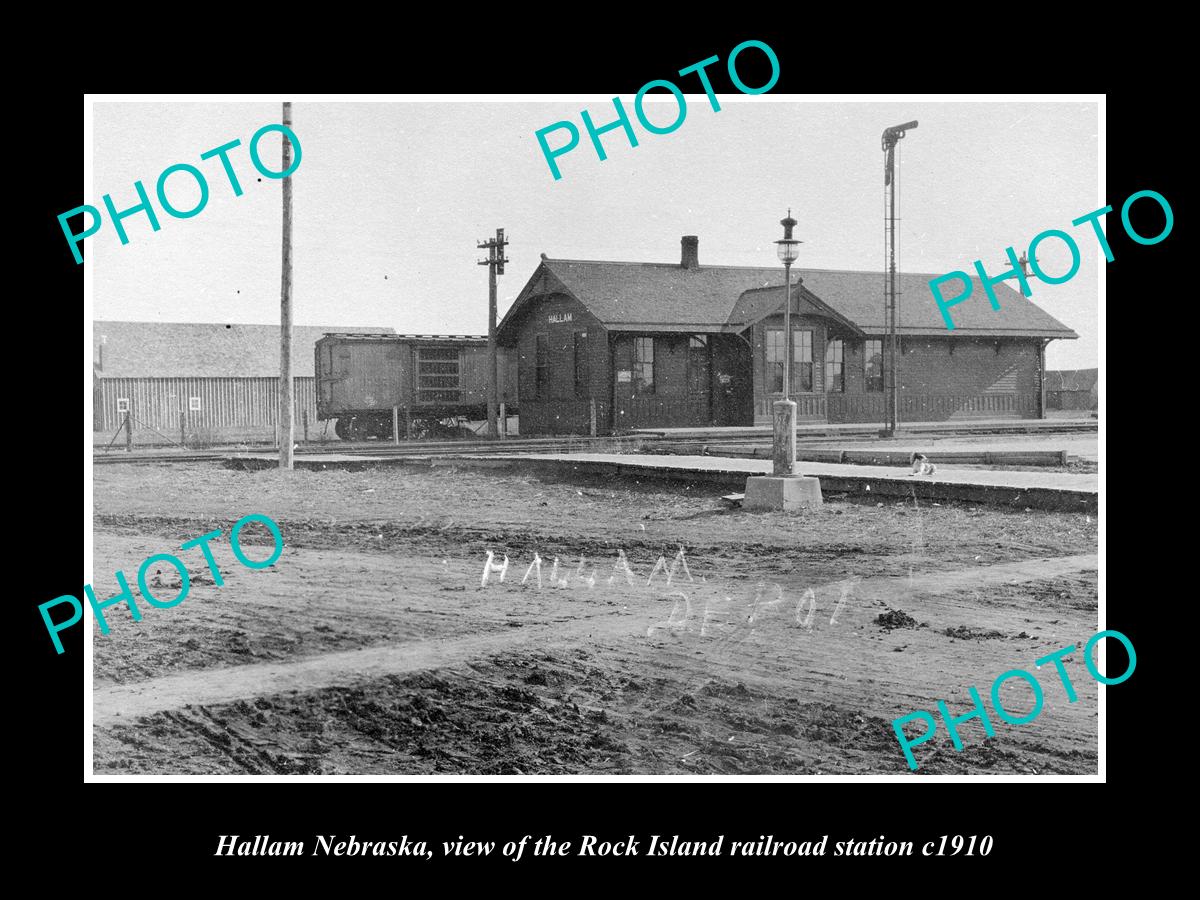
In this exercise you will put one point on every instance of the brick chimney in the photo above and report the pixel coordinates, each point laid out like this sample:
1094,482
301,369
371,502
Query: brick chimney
691,252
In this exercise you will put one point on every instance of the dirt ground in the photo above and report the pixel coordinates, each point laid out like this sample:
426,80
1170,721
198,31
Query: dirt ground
371,646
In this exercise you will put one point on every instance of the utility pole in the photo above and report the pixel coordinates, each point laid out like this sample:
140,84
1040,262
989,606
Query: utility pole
891,136
495,263
286,389
1023,262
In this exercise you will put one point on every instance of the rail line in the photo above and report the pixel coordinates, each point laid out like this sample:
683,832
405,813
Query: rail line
404,448
657,442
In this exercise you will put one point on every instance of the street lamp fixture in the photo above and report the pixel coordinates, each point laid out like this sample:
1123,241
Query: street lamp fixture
788,248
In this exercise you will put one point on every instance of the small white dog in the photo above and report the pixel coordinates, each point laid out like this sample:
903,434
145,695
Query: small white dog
921,465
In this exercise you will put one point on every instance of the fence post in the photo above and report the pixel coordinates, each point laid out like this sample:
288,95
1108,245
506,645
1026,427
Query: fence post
503,420
396,425
183,426
592,416
305,415
128,432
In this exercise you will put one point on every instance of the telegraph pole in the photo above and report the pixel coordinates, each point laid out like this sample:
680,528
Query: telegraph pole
286,389
495,263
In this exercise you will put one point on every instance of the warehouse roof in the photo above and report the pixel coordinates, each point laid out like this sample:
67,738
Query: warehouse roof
375,337
202,350
670,297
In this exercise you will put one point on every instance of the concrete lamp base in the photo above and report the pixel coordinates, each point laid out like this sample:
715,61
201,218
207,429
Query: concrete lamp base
782,492
783,489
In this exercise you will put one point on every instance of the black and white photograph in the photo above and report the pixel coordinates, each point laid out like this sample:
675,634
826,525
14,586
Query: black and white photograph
699,432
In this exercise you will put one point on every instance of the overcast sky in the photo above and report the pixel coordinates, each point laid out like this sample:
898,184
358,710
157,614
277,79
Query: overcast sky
391,198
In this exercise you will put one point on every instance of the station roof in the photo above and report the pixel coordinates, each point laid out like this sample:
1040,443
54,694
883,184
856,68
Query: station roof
632,296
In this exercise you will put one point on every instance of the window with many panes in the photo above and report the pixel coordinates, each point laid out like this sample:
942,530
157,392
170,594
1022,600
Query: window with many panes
581,364
643,365
775,360
437,375
697,368
873,365
541,367
835,371
802,360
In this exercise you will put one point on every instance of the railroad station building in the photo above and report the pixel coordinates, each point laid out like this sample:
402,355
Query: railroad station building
655,345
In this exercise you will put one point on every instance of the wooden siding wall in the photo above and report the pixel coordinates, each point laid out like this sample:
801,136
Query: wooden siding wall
474,362
670,405
366,375
358,376
720,393
225,403
980,379
932,408
558,409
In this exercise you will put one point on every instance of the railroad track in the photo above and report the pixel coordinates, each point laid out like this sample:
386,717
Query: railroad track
405,448
517,445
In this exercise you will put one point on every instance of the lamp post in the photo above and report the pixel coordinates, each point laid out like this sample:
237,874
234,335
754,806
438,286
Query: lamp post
783,452
783,489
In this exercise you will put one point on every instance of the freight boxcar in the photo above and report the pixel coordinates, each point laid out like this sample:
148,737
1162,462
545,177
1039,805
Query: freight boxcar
427,379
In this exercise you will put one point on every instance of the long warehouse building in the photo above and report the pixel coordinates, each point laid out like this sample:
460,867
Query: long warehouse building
211,382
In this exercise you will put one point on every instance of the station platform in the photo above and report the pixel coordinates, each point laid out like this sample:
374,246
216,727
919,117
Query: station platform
806,430
1055,449
1019,489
